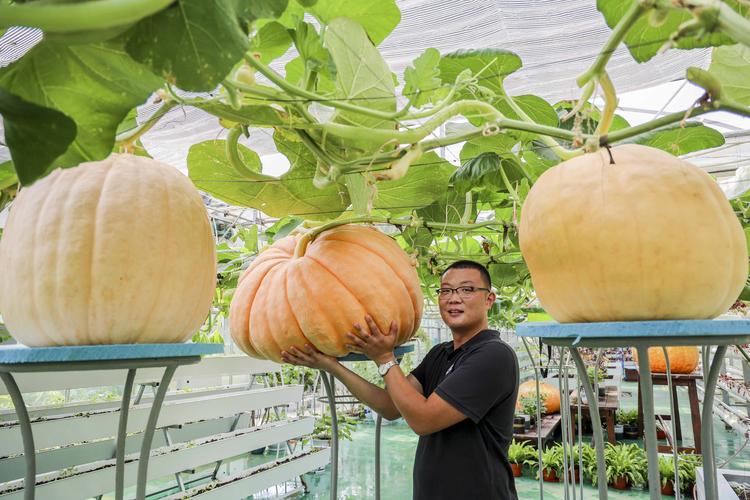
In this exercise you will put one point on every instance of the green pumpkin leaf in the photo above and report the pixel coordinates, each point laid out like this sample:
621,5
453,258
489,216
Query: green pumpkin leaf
646,36
417,238
271,41
731,65
295,74
503,274
35,135
678,140
484,170
282,227
539,110
363,76
94,85
448,208
250,10
425,181
500,144
422,79
494,65
256,116
193,43
290,194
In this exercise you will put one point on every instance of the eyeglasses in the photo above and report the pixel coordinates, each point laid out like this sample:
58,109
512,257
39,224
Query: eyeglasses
464,292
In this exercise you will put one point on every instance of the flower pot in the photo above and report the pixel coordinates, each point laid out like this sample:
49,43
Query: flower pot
660,434
550,475
631,431
620,483
575,476
602,392
668,489
519,428
517,469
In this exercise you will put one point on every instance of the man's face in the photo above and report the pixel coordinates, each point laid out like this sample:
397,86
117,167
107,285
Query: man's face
465,311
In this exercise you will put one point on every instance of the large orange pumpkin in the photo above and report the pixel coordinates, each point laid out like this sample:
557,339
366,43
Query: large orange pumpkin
109,252
551,404
646,237
681,359
315,297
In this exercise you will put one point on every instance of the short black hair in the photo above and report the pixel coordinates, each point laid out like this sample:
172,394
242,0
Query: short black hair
470,264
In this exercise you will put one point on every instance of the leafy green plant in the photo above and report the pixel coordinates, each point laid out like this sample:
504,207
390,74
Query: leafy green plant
686,466
521,452
666,469
626,460
596,375
552,459
324,427
529,404
627,417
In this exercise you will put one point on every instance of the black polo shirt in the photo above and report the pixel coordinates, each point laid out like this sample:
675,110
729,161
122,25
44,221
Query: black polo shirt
469,460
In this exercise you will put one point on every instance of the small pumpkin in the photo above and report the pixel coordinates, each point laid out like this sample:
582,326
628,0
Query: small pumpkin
641,236
552,393
682,359
115,251
298,292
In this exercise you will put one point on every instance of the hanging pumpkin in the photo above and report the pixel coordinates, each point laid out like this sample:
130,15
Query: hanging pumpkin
115,251
548,391
298,292
641,236
681,359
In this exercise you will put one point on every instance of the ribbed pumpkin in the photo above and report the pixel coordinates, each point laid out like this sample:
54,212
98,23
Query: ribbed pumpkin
109,252
647,237
681,359
551,404
283,300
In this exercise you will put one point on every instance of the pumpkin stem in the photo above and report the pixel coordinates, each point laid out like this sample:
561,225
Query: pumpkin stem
302,243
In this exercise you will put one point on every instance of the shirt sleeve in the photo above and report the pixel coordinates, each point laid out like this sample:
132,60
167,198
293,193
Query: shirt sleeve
482,378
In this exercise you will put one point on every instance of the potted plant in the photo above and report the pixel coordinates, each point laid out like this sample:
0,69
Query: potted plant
529,405
666,473
520,453
588,457
686,470
626,465
629,421
596,376
552,463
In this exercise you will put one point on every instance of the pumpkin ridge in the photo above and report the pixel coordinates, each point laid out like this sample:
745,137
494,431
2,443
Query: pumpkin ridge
387,263
59,240
289,306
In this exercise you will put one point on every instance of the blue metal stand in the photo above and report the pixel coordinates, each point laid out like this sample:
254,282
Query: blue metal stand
642,335
328,384
20,359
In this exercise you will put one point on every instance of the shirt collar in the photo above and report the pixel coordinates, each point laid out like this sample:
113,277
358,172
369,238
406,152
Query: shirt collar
479,337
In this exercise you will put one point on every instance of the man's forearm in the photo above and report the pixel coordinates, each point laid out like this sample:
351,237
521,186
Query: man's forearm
407,400
370,394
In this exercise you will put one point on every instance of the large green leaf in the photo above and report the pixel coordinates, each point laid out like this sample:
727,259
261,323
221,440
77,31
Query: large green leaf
95,85
539,110
425,182
731,65
377,17
34,134
250,10
193,43
484,170
449,207
500,144
422,84
362,76
8,175
256,116
290,194
271,41
646,37
494,64
681,140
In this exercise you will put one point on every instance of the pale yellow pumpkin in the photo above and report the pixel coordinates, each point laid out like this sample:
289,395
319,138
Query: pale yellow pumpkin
681,359
550,392
649,237
283,300
109,252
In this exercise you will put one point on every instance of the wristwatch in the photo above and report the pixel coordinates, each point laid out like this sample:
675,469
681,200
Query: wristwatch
383,369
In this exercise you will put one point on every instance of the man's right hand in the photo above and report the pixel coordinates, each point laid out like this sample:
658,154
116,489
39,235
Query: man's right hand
310,357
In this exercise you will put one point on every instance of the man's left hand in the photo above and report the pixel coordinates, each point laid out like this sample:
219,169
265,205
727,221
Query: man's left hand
373,343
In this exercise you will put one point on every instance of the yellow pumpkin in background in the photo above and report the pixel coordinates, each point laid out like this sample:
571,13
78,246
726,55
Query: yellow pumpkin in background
681,359
551,404
116,251
641,236
284,300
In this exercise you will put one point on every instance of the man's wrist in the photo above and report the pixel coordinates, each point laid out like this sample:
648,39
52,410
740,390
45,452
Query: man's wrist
381,360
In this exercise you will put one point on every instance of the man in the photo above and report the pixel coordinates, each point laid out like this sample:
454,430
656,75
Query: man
460,399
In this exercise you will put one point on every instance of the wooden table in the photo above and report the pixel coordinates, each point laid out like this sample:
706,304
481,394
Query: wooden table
550,423
684,380
608,406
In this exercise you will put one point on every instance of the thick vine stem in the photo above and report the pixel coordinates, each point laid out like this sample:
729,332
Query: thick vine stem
610,103
636,10
726,18
233,154
83,16
131,136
